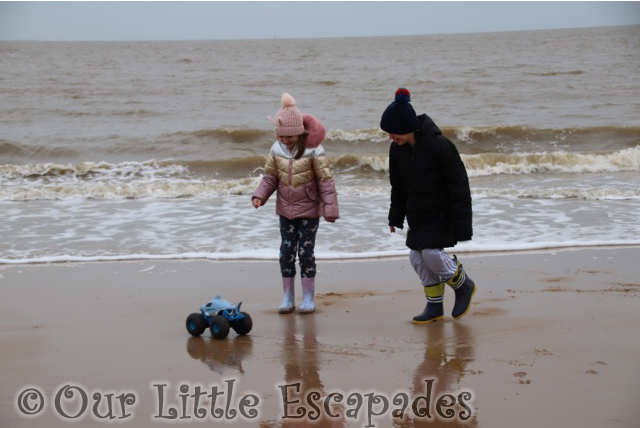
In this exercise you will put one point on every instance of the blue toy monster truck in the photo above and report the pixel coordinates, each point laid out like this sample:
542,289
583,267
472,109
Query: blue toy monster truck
219,315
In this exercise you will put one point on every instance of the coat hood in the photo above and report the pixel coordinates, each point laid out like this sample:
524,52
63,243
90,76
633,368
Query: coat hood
315,129
427,126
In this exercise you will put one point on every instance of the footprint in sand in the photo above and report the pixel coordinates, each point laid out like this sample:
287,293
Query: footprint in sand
559,279
597,363
521,378
331,298
489,312
554,289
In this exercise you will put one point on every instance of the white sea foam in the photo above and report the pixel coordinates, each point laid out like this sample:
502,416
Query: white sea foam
487,164
92,170
132,180
246,186
591,193
228,228
272,255
111,182
556,162
358,135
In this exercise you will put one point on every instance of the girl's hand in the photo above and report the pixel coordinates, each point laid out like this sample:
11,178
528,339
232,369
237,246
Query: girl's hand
256,203
392,229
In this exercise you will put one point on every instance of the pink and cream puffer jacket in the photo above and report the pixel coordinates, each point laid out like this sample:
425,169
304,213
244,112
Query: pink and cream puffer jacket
305,186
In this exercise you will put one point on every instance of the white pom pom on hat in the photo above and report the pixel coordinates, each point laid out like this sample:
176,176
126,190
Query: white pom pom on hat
286,100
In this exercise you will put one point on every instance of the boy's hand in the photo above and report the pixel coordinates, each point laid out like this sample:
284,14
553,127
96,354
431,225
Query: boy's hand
392,229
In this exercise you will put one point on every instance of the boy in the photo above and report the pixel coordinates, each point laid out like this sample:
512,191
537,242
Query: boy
429,186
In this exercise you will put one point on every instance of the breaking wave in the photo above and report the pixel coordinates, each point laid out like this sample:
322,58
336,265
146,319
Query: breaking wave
589,193
486,164
173,179
228,143
558,162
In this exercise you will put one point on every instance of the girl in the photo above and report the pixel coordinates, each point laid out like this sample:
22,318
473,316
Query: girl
297,168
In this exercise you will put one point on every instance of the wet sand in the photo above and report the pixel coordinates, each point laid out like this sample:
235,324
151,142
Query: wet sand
552,339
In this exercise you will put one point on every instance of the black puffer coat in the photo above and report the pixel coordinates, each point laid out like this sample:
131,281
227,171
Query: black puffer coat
429,186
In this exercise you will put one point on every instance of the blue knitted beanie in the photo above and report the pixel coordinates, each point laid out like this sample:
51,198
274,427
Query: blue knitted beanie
399,117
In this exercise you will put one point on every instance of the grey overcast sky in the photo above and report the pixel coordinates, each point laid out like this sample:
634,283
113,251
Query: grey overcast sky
97,21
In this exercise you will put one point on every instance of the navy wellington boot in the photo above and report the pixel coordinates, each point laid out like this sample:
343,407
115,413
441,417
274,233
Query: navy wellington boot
464,288
434,310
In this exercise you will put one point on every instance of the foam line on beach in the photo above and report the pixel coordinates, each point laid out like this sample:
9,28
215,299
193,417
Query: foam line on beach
271,255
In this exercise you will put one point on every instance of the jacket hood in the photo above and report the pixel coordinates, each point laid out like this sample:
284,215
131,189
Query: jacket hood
315,129
427,126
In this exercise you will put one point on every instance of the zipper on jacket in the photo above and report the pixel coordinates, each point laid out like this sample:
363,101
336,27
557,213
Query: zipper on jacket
413,166
290,186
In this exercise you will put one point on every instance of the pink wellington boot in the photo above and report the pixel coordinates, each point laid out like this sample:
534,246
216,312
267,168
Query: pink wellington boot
288,303
308,292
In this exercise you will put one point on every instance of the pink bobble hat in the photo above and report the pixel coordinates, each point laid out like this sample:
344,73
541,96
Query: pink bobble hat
289,121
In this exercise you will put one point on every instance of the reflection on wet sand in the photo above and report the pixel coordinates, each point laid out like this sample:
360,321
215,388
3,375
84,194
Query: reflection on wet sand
449,349
219,355
300,356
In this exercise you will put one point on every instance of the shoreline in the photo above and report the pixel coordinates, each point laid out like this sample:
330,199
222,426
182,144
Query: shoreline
334,259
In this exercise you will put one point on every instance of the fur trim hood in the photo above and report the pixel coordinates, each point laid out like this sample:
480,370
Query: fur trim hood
315,129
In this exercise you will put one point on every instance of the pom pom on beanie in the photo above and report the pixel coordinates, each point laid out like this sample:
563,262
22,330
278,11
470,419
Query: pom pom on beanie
288,120
403,95
286,100
399,117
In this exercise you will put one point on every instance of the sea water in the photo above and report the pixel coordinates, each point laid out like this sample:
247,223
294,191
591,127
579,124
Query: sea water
124,150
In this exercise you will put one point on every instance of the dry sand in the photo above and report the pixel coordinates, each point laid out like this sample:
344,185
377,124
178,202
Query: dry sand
552,340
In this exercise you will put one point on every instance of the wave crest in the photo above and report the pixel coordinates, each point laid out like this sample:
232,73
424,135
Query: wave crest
588,194
560,162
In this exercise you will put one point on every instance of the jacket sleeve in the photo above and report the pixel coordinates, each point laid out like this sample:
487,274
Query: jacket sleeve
458,190
398,207
326,188
269,182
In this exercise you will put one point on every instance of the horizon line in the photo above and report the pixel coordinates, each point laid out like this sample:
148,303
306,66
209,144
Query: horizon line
311,37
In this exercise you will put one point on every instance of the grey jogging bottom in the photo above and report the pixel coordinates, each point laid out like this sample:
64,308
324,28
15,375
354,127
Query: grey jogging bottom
433,265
